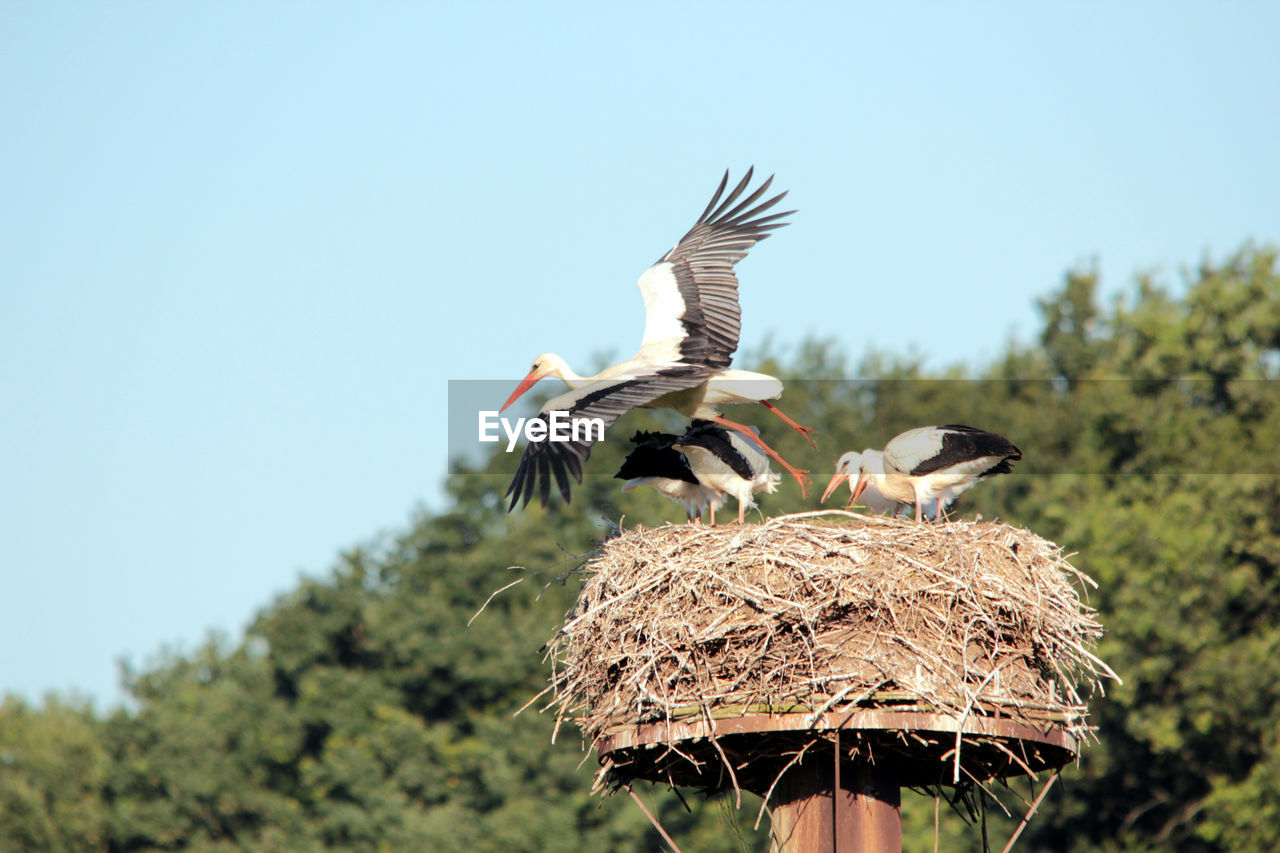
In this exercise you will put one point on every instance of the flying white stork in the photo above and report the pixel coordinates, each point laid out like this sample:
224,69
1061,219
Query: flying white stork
655,462
692,324
936,463
730,462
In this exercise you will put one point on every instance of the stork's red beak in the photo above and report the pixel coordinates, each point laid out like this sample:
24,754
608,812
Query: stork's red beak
838,478
862,484
525,385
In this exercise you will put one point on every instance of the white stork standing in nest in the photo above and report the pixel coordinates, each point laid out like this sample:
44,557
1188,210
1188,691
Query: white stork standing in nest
934,464
656,463
729,462
692,325
700,469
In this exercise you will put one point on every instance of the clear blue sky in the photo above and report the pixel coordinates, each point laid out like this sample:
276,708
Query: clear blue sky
243,246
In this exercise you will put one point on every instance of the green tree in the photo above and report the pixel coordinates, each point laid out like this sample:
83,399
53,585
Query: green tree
52,769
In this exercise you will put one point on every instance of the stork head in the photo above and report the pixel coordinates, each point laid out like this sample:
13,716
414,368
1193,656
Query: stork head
846,465
547,364
870,466
863,478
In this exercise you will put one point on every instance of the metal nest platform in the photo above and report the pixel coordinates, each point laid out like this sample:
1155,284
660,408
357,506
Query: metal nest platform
720,658
917,748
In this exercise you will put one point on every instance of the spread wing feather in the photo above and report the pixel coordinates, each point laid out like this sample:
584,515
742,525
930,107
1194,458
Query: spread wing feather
691,293
608,400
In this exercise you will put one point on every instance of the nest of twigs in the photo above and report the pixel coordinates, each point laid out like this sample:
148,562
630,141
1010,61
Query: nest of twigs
815,613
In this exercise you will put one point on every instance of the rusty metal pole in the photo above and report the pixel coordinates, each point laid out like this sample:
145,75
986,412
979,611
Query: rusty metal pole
862,817
873,811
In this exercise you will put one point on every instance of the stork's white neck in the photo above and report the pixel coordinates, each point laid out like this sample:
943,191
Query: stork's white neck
556,366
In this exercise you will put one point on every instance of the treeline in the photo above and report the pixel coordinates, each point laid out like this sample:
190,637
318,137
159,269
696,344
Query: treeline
360,712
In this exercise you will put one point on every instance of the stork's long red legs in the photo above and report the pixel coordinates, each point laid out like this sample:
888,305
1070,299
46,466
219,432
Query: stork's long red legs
773,454
800,428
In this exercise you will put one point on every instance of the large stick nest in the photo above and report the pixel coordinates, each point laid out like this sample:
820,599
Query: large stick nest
825,610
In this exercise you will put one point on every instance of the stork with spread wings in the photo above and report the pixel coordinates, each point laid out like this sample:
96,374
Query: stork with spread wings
692,324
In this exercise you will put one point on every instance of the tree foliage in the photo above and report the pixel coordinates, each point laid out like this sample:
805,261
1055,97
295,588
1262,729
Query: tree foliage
361,712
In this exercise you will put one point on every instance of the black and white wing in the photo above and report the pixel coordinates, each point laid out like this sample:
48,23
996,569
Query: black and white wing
719,442
925,450
605,400
691,293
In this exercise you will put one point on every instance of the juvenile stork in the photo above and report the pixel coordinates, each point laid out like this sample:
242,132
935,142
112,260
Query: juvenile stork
872,495
655,462
935,464
692,325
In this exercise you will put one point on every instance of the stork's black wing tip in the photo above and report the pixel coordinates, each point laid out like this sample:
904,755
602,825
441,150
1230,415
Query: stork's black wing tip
542,463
